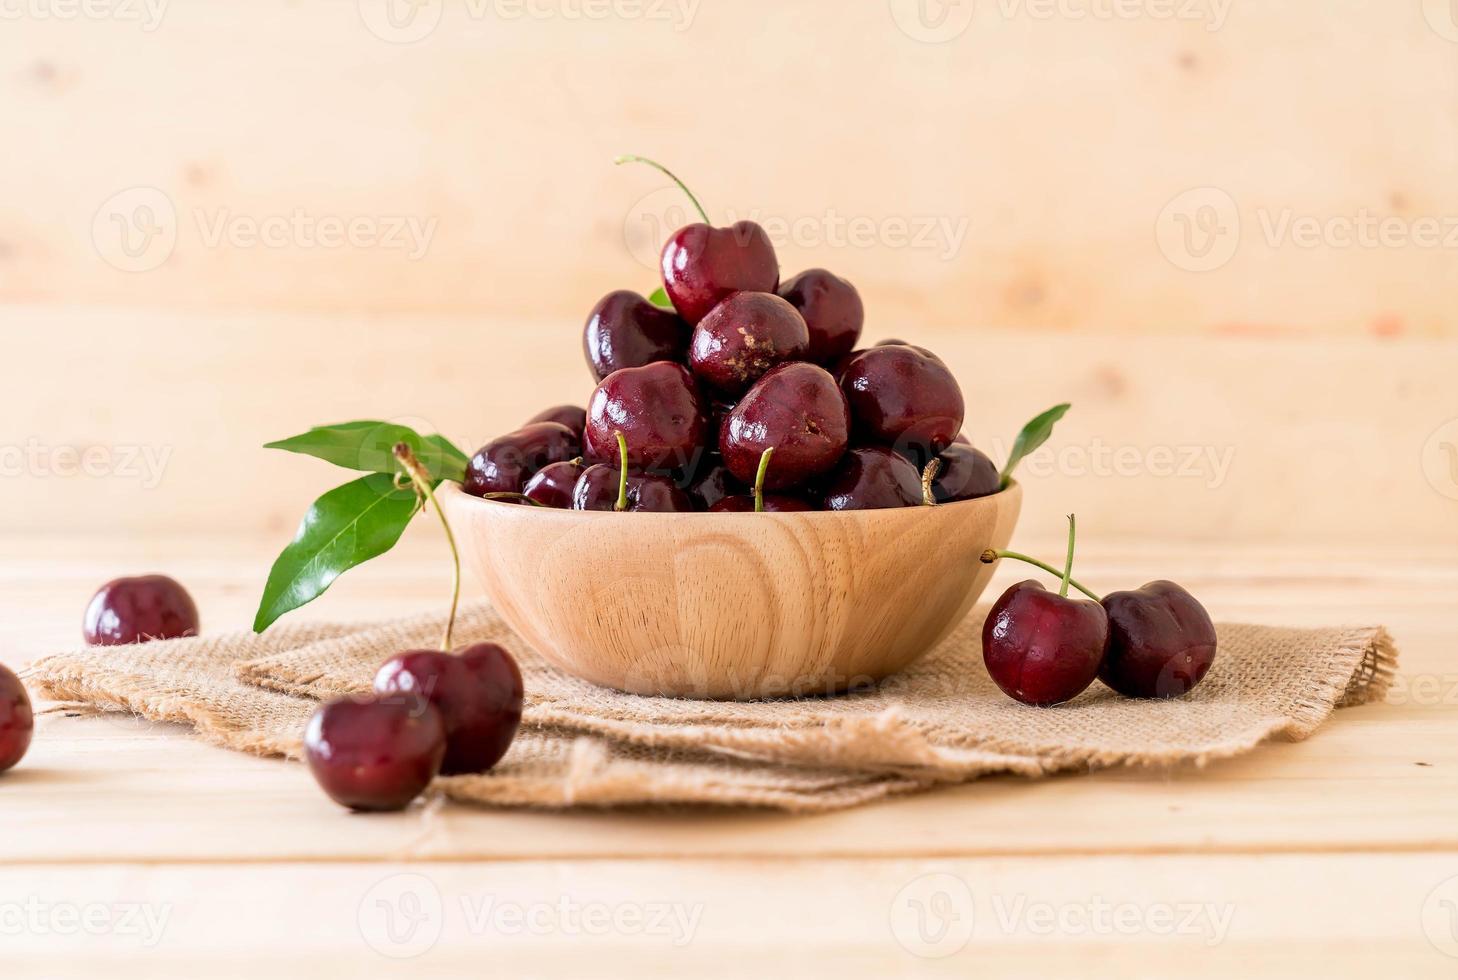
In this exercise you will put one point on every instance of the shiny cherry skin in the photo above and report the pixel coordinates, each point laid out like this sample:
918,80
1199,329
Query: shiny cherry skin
1042,648
964,473
798,411
712,482
905,397
702,265
375,754
17,721
597,489
477,692
658,409
135,610
832,310
743,337
505,463
774,503
569,415
552,484
1161,641
624,330
871,478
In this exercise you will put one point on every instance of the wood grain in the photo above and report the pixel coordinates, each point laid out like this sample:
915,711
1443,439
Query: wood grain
734,606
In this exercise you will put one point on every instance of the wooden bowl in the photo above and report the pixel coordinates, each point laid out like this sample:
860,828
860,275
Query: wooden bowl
731,605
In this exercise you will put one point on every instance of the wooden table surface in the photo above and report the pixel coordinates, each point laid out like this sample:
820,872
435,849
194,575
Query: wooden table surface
130,848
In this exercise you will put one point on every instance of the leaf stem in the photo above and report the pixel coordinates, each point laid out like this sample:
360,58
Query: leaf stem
991,555
630,158
928,497
622,503
764,459
426,490
1067,565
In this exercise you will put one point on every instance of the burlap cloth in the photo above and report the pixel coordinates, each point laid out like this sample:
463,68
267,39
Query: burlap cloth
942,720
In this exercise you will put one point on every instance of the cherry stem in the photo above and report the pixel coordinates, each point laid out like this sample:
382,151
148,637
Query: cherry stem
1067,565
512,495
928,498
764,459
425,489
991,555
622,503
630,158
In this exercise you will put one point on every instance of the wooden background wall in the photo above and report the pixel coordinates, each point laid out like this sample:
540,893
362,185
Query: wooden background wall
1227,231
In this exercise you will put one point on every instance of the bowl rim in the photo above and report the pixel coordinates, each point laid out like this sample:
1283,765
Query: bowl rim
455,491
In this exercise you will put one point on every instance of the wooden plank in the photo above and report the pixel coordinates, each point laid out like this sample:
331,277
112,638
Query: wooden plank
1199,916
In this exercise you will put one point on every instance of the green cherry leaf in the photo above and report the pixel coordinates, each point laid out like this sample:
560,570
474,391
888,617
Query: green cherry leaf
659,298
1034,434
347,526
366,445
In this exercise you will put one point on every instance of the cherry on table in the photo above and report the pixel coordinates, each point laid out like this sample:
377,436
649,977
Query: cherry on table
505,463
798,411
375,754
572,416
1161,641
17,721
903,396
656,407
477,691
139,609
832,310
743,337
871,478
624,330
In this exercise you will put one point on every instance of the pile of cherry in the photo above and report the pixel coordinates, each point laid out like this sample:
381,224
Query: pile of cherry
747,384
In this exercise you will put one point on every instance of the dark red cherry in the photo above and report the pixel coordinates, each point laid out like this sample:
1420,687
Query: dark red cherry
703,265
477,691
552,484
743,337
505,463
658,410
17,721
832,311
903,396
569,415
1161,641
135,610
1042,648
375,753
743,503
712,482
964,473
871,478
624,330
597,489
798,411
